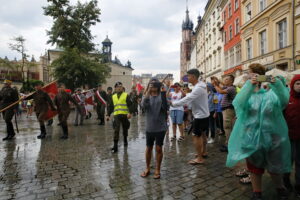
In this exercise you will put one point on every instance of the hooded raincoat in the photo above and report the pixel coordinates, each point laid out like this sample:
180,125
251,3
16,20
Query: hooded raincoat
260,133
292,112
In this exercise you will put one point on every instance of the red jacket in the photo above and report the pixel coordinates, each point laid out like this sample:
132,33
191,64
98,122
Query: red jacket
292,112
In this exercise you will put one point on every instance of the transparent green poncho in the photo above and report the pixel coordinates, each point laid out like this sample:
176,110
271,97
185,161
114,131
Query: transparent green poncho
260,133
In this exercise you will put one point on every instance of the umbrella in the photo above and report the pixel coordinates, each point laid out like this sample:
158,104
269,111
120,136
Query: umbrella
296,72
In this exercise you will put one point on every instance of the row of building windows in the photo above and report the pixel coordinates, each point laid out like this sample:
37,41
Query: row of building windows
233,57
228,36
281,42
236,6
248,9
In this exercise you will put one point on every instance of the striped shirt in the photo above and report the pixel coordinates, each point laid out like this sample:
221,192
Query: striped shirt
228,98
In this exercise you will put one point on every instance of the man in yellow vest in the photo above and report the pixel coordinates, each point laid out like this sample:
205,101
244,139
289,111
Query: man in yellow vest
121,109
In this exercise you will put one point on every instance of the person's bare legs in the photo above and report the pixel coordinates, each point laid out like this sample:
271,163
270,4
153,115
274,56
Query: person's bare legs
180,126
174,127
148,155
198,143
159,157
256,182
204,152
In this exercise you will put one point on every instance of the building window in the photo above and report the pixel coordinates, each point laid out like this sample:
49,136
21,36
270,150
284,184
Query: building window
263,42
231,60
282,33
237,26
219,57
215,60
238,54
224,15
215,36
225,37
236,4
249,48
226,59
262,5
229,10
230,32
248,12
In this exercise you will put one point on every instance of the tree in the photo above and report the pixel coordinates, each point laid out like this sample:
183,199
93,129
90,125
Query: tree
75,70
76,66
19,46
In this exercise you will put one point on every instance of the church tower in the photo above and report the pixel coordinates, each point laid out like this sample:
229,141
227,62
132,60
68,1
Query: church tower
186,43
106,49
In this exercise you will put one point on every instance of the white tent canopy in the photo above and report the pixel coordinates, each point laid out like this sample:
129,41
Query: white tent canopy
277,72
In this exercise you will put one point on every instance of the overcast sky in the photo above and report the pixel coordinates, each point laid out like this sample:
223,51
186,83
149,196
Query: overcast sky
147,32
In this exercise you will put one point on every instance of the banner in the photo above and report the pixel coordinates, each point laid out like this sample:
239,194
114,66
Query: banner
100,98
139,87
89,103
52,91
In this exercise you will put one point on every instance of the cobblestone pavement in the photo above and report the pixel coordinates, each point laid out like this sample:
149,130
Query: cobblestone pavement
83,167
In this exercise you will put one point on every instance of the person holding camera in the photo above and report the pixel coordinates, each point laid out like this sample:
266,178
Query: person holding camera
155,105
177,113
260,134
229,92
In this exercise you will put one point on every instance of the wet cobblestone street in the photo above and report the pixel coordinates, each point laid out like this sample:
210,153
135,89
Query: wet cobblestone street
83,167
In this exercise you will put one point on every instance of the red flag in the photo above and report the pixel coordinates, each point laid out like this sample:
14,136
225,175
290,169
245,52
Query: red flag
51,90
139,87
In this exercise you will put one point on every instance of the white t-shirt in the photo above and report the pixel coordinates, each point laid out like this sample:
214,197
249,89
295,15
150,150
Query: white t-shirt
175,97
198,101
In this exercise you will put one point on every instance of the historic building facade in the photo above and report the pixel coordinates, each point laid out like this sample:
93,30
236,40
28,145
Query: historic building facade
231,21
186,43
267,33
119,71
297,34
214,46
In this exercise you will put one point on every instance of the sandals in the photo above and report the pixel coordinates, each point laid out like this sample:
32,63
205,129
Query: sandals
173,138
203,155
242,173
156,176
145,174
195,162
246,180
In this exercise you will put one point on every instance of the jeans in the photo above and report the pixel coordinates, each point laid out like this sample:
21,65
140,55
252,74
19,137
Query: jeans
212,125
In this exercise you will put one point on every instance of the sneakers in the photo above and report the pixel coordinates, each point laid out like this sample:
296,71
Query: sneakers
211,141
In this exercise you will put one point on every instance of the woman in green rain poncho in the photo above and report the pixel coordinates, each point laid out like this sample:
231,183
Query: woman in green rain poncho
260,134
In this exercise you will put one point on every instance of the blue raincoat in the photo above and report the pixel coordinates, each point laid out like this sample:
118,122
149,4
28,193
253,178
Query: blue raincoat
260,133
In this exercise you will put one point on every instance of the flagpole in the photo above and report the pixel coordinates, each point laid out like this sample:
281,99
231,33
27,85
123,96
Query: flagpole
22,98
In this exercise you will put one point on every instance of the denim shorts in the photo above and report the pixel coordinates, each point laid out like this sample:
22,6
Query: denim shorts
177,116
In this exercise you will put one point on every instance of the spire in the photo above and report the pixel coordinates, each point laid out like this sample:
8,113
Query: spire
187,24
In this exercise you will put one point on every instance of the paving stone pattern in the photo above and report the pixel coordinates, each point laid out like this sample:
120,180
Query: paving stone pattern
83,167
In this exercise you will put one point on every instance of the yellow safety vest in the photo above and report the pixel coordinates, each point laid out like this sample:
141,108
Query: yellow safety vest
120,104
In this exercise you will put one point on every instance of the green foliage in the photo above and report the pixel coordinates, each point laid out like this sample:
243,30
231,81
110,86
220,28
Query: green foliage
28,86
76,66
75,69
71,28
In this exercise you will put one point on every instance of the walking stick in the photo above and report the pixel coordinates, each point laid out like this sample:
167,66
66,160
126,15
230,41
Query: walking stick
16,122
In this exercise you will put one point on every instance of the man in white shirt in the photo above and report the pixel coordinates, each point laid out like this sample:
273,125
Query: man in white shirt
199,104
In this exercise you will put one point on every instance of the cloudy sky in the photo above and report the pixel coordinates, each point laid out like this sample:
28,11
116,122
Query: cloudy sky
147,32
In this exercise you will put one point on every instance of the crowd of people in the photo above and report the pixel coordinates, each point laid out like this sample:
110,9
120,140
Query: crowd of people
259,120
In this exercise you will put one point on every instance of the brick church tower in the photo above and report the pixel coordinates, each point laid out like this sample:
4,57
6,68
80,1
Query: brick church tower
185,46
